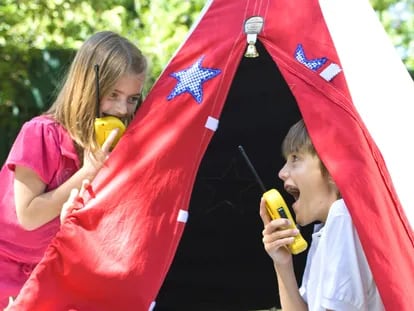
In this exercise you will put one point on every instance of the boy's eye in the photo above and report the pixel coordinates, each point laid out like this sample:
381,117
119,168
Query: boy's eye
294,157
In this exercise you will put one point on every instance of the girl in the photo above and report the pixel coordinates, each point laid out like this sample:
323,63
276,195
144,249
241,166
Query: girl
54,152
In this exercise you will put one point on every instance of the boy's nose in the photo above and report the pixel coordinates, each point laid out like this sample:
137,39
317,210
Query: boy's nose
283,173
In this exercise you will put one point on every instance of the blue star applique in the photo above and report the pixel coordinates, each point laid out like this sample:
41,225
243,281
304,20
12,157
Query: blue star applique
312,64
191,80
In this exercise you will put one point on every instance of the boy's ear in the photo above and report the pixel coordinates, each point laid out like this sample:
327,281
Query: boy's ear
331,183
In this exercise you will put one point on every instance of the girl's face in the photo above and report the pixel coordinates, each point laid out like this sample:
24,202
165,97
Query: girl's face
123,99
313,191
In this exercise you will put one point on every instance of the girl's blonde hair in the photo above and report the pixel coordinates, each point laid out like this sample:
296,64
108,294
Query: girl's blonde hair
75,106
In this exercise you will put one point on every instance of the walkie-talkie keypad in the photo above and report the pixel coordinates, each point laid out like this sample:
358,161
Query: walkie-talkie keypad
281,212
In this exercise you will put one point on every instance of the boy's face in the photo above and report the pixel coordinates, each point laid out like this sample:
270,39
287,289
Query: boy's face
313,191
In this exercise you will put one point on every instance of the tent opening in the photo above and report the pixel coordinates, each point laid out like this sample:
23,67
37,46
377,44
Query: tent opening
220,263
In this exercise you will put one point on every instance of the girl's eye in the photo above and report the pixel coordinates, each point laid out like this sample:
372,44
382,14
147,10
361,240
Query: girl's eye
113,95
134,99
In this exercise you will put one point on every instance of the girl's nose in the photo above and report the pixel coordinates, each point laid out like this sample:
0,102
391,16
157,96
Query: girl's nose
121,108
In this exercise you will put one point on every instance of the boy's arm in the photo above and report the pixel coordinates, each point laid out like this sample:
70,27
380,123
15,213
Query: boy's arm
275,239
289,295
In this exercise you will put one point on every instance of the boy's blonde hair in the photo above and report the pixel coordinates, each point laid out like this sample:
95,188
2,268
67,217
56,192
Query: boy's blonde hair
298,140
75,106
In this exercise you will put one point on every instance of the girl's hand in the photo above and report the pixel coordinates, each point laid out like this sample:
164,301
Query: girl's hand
276,236
10,304
75,201
92,163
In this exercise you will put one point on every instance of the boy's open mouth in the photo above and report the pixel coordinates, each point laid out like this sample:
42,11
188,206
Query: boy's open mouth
293,191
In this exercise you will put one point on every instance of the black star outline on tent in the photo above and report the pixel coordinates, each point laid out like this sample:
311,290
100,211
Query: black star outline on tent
228,191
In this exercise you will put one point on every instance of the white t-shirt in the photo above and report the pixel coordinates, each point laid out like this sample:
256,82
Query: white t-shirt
337,275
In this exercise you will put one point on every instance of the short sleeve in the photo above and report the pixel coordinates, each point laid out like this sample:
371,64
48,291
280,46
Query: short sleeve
36,147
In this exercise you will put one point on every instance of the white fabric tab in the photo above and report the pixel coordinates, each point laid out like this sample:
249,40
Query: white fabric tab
212,123
182,216
330,72
152,306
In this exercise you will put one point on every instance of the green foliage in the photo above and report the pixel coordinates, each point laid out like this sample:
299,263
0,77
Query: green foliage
38,39
398,20
157,27
29,89
164,28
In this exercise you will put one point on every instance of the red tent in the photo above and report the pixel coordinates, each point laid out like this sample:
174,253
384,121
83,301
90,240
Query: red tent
115,253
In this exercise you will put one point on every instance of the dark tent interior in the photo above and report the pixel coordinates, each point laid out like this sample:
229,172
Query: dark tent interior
220,262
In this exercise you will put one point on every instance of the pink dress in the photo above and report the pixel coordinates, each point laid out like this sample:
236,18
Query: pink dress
45,147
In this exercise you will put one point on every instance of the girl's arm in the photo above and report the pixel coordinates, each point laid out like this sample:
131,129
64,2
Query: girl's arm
34,206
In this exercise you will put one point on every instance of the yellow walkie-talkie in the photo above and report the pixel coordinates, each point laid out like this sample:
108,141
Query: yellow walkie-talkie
105,125
277,208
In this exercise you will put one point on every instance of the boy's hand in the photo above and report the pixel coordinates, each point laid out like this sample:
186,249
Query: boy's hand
276,237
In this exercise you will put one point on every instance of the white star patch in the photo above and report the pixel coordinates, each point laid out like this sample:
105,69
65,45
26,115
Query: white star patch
191,80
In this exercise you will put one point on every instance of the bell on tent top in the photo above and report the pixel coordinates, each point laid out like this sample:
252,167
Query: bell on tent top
251,51
252,27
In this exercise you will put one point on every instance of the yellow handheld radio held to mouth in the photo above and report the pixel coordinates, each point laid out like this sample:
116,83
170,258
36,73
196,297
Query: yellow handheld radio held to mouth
277,208
105,125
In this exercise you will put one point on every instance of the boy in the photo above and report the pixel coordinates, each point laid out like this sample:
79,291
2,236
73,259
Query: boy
337,275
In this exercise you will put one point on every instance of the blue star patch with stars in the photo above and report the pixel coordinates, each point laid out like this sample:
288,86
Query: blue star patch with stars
312,64
191,80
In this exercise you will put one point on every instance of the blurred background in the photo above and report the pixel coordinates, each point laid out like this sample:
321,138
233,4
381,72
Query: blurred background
38,39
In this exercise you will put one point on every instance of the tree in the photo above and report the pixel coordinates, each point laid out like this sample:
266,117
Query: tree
38,39
398,20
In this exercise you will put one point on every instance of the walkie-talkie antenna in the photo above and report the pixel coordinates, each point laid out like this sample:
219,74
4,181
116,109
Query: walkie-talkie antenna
276,208
249,163
97,89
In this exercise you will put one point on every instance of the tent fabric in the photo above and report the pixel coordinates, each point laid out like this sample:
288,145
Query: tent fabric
220,263
114,254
